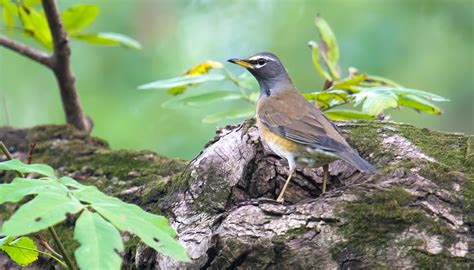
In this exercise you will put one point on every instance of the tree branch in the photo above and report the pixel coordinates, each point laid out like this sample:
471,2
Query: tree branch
62,69
30,52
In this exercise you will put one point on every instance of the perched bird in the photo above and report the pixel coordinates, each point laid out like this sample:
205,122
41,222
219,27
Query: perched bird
291,126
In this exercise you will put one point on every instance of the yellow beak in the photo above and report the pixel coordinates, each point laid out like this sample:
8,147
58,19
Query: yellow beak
240,62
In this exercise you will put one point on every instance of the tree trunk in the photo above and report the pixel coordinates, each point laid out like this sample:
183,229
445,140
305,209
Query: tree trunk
417,213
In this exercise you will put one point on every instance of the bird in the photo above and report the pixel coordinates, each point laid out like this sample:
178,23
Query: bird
291,126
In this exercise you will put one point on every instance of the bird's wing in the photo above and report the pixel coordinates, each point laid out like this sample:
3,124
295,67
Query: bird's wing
302,122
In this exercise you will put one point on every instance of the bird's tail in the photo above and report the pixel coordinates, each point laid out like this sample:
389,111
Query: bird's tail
355,160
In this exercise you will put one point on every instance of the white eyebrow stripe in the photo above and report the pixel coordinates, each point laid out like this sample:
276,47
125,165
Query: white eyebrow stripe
256,57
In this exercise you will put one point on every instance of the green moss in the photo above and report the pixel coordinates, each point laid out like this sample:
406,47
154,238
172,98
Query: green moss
289,235
363,135
424,260
374,221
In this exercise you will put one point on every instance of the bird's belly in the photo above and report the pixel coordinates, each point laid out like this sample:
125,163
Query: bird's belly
295,152
315,158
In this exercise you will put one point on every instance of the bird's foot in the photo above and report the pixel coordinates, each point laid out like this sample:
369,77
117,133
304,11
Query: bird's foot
280,199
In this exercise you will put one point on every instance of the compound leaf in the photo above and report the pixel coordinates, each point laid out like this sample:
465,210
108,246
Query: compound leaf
17,165
100,243
78,17
45,210
107,39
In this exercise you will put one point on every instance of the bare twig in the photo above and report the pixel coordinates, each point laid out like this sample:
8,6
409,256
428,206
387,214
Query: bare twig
30,152
30,52
62,68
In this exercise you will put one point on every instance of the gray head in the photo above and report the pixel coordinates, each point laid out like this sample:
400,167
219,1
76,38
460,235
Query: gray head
268,70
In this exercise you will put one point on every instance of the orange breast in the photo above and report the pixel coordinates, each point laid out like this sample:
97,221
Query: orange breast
275,139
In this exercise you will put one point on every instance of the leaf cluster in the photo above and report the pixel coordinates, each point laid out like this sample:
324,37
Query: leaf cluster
100,220
373,95
24,15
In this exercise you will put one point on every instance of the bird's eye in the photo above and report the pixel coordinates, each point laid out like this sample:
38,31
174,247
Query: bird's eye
261,62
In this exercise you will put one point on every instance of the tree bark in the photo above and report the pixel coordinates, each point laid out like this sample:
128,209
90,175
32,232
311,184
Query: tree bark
417,213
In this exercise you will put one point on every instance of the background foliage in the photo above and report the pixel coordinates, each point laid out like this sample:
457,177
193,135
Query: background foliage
422,44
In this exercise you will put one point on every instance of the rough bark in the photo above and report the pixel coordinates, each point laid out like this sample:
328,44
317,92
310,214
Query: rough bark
416,213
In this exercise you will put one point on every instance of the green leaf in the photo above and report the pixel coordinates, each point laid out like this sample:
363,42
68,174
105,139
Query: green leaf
381,81
327,98
347,115
36,25
153,230
78,17
347,83
107,39
45,210
9,12
185,80
420,93
100,243
16,165
199,100
21,187
329,49
232,114
68,181
418,103
23,250
317,65
375,100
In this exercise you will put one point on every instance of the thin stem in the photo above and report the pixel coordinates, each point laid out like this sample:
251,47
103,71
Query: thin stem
25,50
41,252
63,251
9,156
242,89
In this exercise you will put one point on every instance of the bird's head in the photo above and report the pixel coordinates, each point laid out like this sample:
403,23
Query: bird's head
267,69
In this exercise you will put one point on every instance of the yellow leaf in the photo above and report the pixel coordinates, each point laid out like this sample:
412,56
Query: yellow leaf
203,68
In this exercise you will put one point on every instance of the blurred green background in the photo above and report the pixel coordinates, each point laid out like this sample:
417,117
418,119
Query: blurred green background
425,45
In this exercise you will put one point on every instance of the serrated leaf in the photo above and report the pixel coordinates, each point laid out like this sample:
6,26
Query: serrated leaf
107,39
35,25
21,187
327,98
347,83
17,165
21,250
418,103
329,49
153,230
182,81
78,17
347,115
99,242
232,114
375,101
381,81
45,210
316,61
199,100
420,93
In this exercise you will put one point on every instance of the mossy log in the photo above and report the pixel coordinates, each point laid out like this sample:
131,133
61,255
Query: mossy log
418,212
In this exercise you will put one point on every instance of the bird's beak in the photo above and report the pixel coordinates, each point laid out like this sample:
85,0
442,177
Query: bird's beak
240,62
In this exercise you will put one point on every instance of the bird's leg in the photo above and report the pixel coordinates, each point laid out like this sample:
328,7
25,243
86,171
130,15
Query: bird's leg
325,176
280,198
